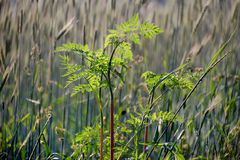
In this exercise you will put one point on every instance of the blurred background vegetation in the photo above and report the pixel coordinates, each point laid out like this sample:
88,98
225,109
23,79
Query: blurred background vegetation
31,86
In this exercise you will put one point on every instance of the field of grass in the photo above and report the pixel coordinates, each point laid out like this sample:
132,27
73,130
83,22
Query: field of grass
186,107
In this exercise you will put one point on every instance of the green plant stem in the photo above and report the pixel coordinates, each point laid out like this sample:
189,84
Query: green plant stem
147,120
99,100
185,100
136,146
199,132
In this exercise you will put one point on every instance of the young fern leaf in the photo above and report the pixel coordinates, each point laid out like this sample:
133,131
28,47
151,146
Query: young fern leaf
148,74
178,81
90,73
125,51
173,80
150,78
149,30
113,38
99,63
134,37
75,77
129,26
73,47
64,59
72,68
69,67
80,88
93,83
131,31
75,72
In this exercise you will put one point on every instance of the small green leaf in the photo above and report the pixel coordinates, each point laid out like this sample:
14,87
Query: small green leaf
81,88
149,30
112,38
125,51
73,47
148,74
129,26
166,79
134,37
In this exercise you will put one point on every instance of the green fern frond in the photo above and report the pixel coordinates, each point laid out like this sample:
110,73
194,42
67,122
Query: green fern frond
73,47
93,83
100,63
72,68
130,31
148,74
178,81
64,59
125,51
112,38
185,83
117,62
174,80
150,78
149,30
80,88
75,77
134,37
129,26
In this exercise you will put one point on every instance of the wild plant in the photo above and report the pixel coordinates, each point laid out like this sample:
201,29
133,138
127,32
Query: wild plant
101,69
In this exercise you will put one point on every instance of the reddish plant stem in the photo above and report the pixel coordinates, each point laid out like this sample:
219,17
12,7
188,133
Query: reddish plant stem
112,103
112,130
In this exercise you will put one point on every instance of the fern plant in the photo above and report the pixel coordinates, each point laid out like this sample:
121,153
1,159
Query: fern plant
101,68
